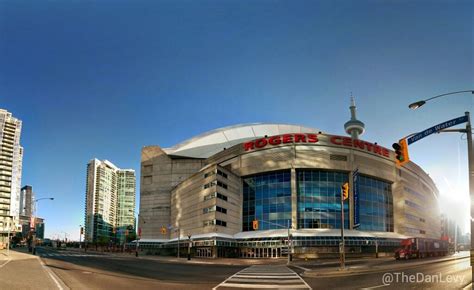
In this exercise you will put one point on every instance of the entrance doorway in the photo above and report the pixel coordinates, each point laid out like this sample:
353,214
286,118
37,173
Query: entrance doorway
260,252
204,252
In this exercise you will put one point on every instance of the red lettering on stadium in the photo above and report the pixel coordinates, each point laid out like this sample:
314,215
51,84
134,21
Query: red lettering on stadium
313,138
359,144
280,139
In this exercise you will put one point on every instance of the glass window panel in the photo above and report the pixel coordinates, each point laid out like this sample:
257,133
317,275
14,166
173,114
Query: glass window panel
269,199
321,207
375,198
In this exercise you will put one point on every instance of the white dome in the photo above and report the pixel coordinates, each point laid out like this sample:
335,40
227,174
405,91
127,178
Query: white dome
209,143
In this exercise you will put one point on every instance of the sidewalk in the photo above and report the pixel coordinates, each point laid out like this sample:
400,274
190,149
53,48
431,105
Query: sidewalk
311,267
333,270
194,260
21,270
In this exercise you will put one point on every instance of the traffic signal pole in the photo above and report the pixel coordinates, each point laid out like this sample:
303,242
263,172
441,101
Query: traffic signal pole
470,157
342,246
471,183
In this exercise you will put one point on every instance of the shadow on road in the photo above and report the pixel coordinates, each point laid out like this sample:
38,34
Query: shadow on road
137,268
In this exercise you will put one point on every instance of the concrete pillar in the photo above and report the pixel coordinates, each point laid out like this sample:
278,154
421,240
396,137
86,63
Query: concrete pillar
294,199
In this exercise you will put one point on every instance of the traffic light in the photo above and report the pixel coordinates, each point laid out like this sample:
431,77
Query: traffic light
401,152
255,225
82,230
163,230
345,191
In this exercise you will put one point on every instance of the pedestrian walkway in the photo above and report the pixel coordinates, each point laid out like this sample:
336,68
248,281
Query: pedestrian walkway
66,254
264,276
25,271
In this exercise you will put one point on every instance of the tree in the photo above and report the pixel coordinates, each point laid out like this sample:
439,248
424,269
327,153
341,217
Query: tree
132,236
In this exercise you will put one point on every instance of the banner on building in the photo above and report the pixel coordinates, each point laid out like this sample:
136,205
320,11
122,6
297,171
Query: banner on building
355,189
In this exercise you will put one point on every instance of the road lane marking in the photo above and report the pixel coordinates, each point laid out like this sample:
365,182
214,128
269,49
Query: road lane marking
53,276
265,277
302,268
8,261
264,286
67,255
375,287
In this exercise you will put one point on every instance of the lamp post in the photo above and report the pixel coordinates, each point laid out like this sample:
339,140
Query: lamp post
189,247
8,240
80,236
468,132
34,220
139,233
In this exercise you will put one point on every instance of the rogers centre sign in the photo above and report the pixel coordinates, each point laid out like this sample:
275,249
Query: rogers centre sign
313,138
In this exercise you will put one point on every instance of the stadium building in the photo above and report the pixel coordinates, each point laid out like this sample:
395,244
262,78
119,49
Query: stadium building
211,188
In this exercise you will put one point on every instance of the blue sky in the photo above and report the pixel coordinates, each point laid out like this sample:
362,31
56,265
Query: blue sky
104,78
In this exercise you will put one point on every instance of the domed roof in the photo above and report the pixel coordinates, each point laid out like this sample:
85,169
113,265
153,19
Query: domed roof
209,143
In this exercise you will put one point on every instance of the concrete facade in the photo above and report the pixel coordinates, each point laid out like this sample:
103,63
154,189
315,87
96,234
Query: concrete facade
180,191
160,173
204,199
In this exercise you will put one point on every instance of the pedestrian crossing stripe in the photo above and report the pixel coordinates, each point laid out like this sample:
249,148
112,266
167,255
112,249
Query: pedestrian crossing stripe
68,255
265,277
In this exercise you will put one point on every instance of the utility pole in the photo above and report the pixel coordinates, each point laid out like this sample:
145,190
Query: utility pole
470,157
376,248
179,234
80,237
8,245
189,247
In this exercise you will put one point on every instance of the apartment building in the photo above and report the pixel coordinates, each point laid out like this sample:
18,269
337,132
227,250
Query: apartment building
110,201
11,156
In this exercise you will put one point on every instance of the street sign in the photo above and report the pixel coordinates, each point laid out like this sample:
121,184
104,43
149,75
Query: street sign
437,128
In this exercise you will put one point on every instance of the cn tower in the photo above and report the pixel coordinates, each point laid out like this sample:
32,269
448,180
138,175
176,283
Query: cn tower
354,127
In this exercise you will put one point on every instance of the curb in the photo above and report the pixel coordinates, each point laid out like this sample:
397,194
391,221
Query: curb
184,261
58,281
339,273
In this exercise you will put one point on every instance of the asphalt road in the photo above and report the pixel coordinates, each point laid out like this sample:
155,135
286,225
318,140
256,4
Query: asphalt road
95,271
454,274
108,272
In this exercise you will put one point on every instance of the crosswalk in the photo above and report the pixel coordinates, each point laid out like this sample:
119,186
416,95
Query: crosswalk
264,276
59,254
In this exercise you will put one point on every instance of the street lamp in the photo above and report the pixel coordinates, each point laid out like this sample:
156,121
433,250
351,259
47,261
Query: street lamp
80,236
138,234
420,103
470,154
34,220
189,246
